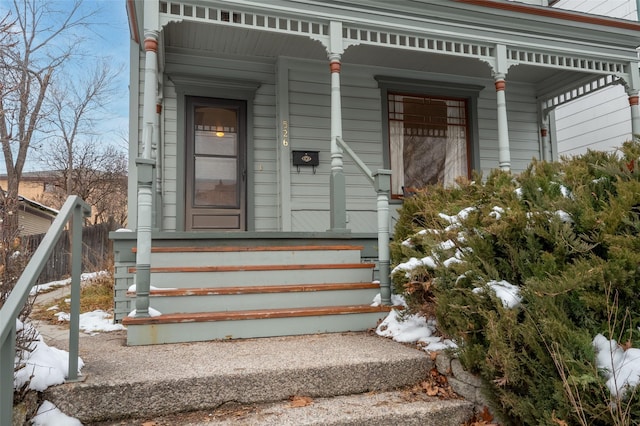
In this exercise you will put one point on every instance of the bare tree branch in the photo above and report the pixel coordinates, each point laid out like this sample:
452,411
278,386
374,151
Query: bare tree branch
37,41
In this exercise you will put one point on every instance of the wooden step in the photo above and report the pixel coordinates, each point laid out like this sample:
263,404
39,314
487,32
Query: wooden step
255,314
257,255
260,297
204,326
260,276
222,292
291,288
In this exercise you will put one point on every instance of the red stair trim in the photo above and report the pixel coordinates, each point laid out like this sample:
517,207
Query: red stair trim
255,314
259,289
247,249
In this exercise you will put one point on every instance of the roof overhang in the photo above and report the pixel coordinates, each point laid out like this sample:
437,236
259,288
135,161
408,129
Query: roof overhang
134,10
543,44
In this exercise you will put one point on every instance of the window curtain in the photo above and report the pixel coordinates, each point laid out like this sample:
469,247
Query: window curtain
456,148
396,140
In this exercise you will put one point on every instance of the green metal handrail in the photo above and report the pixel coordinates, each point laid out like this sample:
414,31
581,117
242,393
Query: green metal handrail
381,181
74,210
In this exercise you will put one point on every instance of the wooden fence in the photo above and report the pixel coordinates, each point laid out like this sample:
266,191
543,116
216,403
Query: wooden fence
97,252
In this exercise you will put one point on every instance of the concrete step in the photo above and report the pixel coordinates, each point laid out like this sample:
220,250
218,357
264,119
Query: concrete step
243,324
258,297
400,407
145,382
258,255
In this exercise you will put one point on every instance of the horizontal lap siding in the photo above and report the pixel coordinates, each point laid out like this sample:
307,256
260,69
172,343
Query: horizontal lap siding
522,118
310,129
264,161
169,153
602,120
599,121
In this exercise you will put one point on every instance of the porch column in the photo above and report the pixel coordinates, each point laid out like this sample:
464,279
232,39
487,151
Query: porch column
145,165
632,86
634,104
338,197
504,155
547,155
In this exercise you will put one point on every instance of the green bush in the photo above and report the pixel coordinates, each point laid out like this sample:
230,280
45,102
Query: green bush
567,235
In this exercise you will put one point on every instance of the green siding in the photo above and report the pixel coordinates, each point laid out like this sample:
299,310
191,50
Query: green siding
308,114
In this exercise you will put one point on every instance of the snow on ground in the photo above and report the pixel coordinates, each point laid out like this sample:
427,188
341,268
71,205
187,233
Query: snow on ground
56,284
93,322
49,415
43,365
46,366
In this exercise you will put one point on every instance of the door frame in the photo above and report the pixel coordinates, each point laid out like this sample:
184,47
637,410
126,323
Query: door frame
240,210
221,88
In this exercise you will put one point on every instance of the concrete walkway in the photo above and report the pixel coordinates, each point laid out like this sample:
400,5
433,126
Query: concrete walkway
345,378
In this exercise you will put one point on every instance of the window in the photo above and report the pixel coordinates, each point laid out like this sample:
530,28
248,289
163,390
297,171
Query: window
428,141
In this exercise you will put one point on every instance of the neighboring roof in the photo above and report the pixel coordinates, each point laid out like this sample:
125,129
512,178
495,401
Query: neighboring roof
36,176
38,206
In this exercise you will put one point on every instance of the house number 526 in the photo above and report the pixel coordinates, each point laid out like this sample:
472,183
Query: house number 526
285,133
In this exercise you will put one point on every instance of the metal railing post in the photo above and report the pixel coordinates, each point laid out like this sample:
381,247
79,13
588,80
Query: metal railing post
382,185
76,271
7,355
20,293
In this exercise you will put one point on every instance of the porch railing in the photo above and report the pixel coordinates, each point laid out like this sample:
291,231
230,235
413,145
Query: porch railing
74,210
381,181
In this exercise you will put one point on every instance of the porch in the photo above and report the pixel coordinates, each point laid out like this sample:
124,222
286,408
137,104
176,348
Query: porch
226,93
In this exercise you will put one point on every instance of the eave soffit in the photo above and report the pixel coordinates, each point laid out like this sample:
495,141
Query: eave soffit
452,18
454,27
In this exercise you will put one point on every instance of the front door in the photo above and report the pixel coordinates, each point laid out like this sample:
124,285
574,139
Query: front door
216,164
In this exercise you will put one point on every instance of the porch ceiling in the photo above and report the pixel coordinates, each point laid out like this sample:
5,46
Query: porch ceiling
215,39
211,40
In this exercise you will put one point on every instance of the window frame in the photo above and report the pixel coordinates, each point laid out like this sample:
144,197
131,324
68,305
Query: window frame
435,89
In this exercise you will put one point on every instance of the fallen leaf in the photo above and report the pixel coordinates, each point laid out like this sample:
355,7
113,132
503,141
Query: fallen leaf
300,401
432,391
149,424
486,415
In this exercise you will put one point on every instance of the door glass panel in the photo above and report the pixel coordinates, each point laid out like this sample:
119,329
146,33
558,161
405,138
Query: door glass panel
216,118
216,157
216,182
207,143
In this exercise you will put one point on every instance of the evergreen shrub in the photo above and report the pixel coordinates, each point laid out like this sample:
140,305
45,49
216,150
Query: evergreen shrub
567,234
